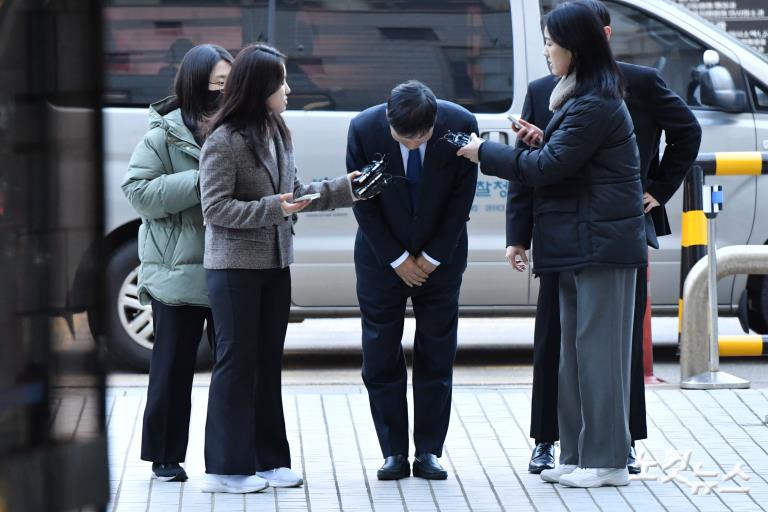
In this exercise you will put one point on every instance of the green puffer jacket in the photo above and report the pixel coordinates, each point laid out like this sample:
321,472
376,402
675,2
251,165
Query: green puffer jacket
162,185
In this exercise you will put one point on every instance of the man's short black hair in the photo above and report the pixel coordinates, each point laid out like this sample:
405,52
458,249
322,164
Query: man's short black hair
600,10
411,109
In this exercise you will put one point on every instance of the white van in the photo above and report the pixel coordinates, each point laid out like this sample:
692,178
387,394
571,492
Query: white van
345,55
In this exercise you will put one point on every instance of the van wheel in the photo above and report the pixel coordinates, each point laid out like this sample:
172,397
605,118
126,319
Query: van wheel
129,335
757,303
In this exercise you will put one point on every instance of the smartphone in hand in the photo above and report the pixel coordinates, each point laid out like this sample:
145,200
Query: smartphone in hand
306,197
515,122
517,125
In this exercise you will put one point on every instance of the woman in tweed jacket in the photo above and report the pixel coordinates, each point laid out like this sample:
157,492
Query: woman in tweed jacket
247,182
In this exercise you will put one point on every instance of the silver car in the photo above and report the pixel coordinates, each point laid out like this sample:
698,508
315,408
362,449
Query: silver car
345,55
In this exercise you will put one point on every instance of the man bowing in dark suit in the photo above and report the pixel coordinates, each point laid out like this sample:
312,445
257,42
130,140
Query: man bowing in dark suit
654,109
411,242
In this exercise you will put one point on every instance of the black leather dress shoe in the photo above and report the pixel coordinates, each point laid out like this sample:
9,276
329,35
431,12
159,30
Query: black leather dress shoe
543,457
632,465
425,465
395,467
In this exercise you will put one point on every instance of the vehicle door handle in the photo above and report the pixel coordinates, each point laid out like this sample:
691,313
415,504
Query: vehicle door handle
495,136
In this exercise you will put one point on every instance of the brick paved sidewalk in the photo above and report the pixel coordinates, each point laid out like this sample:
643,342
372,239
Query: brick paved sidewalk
334,446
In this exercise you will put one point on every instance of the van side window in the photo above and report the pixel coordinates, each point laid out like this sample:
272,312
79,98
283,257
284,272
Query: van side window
144,42
347,56
639,38
759,94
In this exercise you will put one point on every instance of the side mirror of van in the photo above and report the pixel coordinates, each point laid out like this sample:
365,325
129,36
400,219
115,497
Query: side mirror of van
717,88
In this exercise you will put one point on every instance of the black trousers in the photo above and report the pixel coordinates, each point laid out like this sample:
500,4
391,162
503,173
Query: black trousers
245,429
178,330
382,297
546,360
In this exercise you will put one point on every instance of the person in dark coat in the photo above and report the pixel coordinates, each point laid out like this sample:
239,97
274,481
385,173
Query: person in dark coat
589,229
654,109
411,242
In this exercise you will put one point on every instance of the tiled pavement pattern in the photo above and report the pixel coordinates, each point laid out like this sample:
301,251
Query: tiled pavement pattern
334,446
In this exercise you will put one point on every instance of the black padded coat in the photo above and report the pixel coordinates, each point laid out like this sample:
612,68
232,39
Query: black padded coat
588,204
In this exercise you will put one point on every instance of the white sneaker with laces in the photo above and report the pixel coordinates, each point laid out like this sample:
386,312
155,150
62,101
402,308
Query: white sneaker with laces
553,475
596,477
281,477
235,484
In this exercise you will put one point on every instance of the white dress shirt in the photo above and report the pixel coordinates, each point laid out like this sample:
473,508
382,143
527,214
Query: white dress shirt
404,151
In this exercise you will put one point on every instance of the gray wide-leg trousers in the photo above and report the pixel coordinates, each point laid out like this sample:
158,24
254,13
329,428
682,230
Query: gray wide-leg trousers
596,312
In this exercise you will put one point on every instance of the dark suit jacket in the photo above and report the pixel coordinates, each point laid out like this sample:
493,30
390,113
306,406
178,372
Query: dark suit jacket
654,108
388,226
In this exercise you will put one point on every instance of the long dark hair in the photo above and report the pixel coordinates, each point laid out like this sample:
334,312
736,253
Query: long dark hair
575,27
191,84
257,73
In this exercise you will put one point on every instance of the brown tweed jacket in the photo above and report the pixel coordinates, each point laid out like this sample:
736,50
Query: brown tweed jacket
245,226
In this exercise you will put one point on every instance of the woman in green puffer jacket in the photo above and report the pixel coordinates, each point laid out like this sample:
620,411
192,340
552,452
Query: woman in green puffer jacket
162,185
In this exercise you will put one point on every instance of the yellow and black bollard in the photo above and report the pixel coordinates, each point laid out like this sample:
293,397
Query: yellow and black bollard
694,223
735,163
694,233
693,230
743,345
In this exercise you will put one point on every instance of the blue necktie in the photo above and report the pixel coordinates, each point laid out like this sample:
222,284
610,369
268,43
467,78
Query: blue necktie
413,173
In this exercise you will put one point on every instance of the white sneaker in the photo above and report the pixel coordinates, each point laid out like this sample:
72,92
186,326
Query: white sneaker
236,484
595,477
281,477
553,475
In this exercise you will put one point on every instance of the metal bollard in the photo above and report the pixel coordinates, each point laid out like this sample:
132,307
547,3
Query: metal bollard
694,339
743,345
734,163
695,355
694,233
735,259
714,378
695,312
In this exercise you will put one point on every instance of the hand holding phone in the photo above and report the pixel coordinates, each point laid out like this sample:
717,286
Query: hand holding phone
515,122
306,197
527,132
